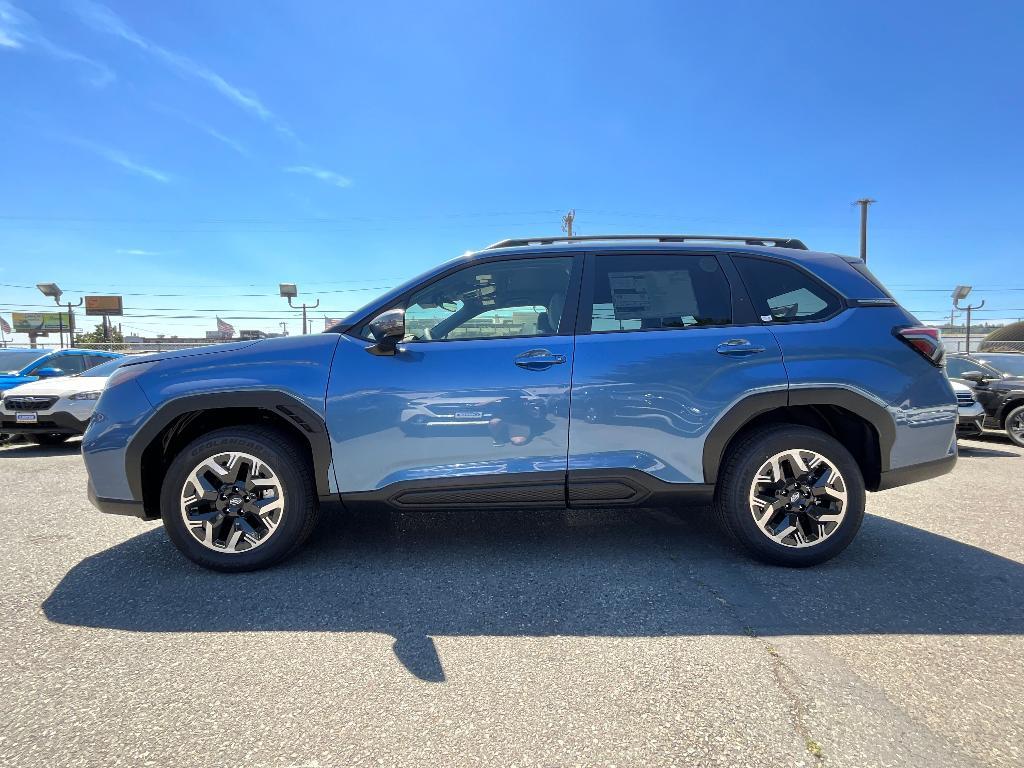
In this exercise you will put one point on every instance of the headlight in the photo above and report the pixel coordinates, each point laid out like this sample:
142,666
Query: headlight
85,396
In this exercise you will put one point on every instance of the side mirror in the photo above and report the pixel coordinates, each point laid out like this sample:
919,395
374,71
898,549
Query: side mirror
976,376
387,329
49,373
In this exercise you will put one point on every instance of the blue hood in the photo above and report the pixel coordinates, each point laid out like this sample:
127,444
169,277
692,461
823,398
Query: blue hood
9,382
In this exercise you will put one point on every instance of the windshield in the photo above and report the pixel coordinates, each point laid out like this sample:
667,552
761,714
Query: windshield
13,360
1011,364
103,369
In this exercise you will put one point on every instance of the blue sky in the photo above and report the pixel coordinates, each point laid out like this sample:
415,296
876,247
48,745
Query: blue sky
217,148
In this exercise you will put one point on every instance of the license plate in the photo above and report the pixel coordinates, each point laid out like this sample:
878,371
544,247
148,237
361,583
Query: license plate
26,418
468,414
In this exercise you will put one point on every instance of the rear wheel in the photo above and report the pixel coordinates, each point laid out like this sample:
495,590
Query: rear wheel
1015,425
791,495
239,499
49,439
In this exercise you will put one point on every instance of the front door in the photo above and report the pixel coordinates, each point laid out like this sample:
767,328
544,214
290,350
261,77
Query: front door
474,406
664,348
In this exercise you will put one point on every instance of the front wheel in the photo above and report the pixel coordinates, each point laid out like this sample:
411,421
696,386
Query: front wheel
239,499
791,495
1015,425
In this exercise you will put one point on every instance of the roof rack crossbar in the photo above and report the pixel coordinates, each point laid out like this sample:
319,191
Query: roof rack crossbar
777,242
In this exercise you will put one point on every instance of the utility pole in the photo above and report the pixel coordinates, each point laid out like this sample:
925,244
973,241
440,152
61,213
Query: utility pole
567,221
864,202
284,328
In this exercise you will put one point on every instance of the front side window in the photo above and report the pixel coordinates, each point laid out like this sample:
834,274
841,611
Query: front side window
520,297
958,366
69,364
784,294
653,292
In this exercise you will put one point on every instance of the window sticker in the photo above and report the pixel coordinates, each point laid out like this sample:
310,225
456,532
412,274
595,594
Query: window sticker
662,293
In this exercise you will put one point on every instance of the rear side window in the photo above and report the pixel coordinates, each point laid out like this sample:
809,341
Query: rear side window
784,294
638,292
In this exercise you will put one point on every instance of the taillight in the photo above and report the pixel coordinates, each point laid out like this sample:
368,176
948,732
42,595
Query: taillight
927,341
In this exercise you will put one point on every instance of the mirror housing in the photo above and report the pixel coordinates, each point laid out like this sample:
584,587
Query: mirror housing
388,330
49,373
976,376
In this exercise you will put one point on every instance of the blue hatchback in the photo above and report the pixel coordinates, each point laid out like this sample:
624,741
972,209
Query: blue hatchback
21,366
777,383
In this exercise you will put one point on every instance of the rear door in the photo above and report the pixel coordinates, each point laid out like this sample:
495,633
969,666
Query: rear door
666,343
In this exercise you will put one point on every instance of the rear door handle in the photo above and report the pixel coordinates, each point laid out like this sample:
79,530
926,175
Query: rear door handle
538,359
738,348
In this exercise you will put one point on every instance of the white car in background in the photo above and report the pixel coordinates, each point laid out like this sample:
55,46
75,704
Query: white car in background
50,411
971,414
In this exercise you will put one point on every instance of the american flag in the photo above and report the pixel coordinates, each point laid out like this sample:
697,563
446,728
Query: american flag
226,328
5,326
329,321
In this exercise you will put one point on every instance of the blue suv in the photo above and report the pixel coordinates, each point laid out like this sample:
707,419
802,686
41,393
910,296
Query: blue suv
777,383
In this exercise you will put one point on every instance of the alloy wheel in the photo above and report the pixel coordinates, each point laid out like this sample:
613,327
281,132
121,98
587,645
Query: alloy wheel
232,502
1015,426
798,498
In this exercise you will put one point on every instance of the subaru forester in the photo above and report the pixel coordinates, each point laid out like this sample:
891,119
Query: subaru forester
775,383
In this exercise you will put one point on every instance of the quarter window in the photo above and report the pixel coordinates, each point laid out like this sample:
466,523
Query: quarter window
654,292
785,294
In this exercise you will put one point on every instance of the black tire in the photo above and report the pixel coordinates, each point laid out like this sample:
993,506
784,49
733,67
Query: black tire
273,448
1011,419
732,503
49,439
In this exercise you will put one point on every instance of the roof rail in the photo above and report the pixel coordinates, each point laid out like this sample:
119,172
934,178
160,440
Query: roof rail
778,242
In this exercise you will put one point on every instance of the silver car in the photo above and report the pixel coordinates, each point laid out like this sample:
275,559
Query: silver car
50,411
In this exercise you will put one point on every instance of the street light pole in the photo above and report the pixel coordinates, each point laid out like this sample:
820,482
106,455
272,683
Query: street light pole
960,293
53,291
290,291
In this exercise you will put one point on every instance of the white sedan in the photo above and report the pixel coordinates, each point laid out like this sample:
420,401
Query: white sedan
49,411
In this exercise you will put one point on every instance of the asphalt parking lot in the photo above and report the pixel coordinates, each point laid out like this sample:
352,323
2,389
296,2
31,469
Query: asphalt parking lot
532,638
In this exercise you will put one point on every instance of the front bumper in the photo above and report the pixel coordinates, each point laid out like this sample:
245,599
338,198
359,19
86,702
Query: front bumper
116,506
54,422
971,420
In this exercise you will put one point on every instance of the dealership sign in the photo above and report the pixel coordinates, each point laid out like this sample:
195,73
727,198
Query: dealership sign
103,305
34,322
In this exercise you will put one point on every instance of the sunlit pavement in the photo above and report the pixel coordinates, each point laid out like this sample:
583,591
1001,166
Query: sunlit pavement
516,638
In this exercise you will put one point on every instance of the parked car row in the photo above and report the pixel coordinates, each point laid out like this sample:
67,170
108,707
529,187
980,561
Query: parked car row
50,396
999,391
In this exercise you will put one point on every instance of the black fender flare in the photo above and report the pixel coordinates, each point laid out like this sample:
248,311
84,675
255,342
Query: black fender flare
752,406
283,404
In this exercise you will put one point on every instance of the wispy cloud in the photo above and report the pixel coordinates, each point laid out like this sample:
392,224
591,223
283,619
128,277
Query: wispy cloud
201,126
328,177
138,252
118,157
19,31
103,19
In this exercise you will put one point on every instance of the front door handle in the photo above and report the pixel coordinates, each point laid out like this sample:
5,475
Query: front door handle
538,359
738,348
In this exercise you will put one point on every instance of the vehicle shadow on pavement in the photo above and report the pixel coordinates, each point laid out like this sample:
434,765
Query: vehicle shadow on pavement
642,573
34,451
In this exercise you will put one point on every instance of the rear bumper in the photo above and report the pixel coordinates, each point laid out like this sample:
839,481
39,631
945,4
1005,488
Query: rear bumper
915,473
127,507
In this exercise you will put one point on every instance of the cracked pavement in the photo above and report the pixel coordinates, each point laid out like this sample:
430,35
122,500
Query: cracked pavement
516,638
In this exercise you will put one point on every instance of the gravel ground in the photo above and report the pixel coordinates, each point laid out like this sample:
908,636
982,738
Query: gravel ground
516,638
